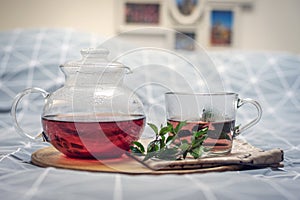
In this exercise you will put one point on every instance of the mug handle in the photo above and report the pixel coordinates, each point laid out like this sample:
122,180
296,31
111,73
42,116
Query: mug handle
13,112
242,102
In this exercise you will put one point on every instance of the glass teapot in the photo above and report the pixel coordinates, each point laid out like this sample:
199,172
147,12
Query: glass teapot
93,115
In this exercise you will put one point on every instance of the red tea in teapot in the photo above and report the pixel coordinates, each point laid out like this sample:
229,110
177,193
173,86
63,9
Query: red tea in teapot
105,136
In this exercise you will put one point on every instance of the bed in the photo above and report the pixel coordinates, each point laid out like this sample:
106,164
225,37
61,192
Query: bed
30,58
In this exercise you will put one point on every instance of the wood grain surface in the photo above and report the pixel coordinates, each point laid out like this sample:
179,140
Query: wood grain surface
243,156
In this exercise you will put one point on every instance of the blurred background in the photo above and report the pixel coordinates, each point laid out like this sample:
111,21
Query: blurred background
271,25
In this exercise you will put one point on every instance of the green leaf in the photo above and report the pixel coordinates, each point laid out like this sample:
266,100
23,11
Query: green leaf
170,139
169,124
203,139
197,152
200,132
140,146
164,130
194,154
170,127
136,150
184,146
167,144
150,155
163,137
168,154
179,126
196,143
161,143
154,128
153,146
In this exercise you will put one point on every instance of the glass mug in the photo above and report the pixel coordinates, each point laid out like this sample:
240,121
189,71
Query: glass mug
93,115
217,111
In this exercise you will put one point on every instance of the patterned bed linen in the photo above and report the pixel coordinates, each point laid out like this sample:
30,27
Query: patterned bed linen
30,58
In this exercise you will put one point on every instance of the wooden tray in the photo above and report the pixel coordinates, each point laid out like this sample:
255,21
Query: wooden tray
243,156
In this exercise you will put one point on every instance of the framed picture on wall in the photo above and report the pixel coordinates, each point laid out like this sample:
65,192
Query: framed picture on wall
185,40
135,14
142,13
186,11
221,27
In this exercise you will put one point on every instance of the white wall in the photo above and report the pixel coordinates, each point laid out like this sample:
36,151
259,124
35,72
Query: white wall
270,25
95,16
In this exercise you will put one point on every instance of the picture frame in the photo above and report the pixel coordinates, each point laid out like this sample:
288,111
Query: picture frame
221,27
135,14
185,39
142,13
223,22
186,12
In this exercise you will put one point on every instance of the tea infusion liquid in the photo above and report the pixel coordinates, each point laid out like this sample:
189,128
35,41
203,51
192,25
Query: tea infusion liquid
103,137
219,140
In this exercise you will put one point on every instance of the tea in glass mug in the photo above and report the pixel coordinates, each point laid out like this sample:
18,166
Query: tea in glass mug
214,111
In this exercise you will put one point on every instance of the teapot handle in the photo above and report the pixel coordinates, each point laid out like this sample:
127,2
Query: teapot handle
13,112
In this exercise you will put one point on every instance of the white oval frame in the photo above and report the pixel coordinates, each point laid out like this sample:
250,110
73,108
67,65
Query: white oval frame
186,19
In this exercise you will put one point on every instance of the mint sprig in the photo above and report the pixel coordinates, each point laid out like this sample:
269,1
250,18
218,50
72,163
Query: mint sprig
168,145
